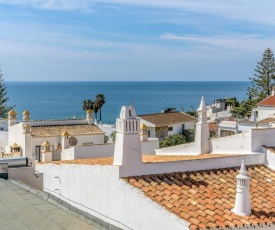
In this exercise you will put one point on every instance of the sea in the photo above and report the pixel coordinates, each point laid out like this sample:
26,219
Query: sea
63,100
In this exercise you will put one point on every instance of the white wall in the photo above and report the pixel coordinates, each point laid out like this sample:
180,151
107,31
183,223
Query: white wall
27,176
264,112
4,124
262,136
270,158
4,140
184,149
244,127
85,152
235,144
149,147
177,128
104,150
15,135
99,191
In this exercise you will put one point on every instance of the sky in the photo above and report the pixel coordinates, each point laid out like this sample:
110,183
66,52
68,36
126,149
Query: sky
134,40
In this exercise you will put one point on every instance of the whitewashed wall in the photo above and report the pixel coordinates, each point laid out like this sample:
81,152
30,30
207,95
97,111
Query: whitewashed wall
148,147
15,135
177,128
262,136
265,112
4,124
235,144
184,149
103,150
99,191
4,139
85,152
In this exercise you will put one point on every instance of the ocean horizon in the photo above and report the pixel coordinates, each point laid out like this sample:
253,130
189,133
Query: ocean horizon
62,100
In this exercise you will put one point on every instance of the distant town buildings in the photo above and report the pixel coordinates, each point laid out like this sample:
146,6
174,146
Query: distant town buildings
161,125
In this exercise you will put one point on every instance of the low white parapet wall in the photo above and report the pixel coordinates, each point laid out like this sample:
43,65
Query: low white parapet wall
185,149
104,150
192,165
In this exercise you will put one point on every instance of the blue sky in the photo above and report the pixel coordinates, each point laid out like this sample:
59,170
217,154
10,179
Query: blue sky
137,40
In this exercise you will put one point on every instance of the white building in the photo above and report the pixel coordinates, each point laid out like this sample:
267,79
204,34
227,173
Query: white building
161,125
34,139
265,108
191,186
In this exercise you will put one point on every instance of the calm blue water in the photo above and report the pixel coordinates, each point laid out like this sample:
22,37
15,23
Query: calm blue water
59,100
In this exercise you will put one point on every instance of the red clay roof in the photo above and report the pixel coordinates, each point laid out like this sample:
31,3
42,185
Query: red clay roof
145,159
205,198
269,101
165,119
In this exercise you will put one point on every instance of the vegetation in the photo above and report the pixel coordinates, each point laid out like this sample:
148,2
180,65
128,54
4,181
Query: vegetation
4,109
88,104
113,136
106,139
99,102
178,139
94,105
261,85
175,139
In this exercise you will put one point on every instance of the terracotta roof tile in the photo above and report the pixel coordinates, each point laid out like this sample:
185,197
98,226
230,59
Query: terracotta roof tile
74,130
205,198
266,121
165,119
268,101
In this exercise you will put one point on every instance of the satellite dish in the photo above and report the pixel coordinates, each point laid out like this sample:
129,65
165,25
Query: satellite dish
72,141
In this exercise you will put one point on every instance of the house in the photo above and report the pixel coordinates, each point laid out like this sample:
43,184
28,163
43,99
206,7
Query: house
39,139
161,125
233,126
265,108
222,183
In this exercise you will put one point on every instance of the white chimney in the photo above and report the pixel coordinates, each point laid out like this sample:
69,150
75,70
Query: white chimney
273,91
202,135
242,201
128,146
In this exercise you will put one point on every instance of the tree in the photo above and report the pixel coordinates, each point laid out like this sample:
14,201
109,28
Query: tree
189,135
4,109
264,77
88,104
99,102
113,136
261,85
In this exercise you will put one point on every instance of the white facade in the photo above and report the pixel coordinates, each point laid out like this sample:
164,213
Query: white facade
20,134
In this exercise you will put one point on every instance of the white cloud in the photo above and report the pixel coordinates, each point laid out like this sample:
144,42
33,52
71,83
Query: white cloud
237,42
245,10
51,4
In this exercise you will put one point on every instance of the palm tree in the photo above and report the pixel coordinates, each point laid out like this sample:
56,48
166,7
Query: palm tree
88,104
99,102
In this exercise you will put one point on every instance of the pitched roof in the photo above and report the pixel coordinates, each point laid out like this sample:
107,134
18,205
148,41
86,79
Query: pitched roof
205,198
268,101
26,112
74,130
267,120
161,119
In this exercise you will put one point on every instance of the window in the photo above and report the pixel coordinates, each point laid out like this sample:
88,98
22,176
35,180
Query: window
183,126
170,128
130,114
148,133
